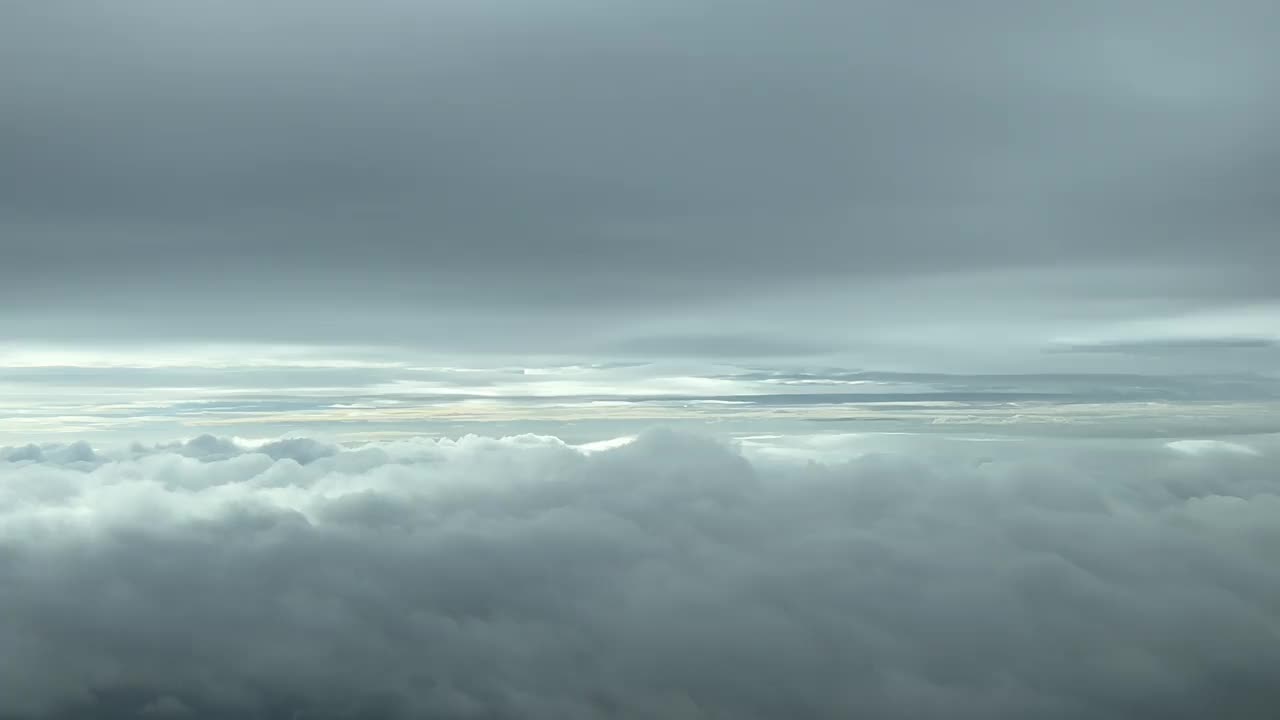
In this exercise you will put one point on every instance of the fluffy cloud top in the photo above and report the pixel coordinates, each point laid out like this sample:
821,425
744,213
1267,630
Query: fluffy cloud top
672,577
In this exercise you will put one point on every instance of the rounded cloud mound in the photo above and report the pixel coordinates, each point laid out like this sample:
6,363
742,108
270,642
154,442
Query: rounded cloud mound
670,577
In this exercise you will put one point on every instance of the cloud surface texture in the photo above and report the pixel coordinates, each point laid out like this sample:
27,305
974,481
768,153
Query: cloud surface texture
672,576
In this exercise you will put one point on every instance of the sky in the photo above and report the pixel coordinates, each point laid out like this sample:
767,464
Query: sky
704,188
356,246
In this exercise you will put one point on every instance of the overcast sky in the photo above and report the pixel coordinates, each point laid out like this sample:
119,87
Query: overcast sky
698,188
334,335
879,180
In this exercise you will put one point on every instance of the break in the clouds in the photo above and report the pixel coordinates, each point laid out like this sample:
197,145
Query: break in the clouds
965,182
671,577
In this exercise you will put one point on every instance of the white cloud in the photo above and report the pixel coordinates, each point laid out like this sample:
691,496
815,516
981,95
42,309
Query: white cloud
668,577
1197,447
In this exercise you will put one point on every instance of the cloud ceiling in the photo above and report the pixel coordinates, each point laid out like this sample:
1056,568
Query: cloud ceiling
617,178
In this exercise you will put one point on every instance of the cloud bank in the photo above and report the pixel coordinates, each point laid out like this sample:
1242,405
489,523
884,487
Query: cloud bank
675,577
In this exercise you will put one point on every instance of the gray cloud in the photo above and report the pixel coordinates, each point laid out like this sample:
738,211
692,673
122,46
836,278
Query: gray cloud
198,377
505,178
961,234
672,577
713,345
1160,346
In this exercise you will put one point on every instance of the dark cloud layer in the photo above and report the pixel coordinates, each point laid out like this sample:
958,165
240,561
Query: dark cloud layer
669,578
498,173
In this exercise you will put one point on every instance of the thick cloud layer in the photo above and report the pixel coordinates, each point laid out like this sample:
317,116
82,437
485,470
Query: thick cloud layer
672,577
725,177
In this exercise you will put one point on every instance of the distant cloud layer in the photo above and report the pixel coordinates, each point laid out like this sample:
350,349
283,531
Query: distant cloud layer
141,397
672,577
